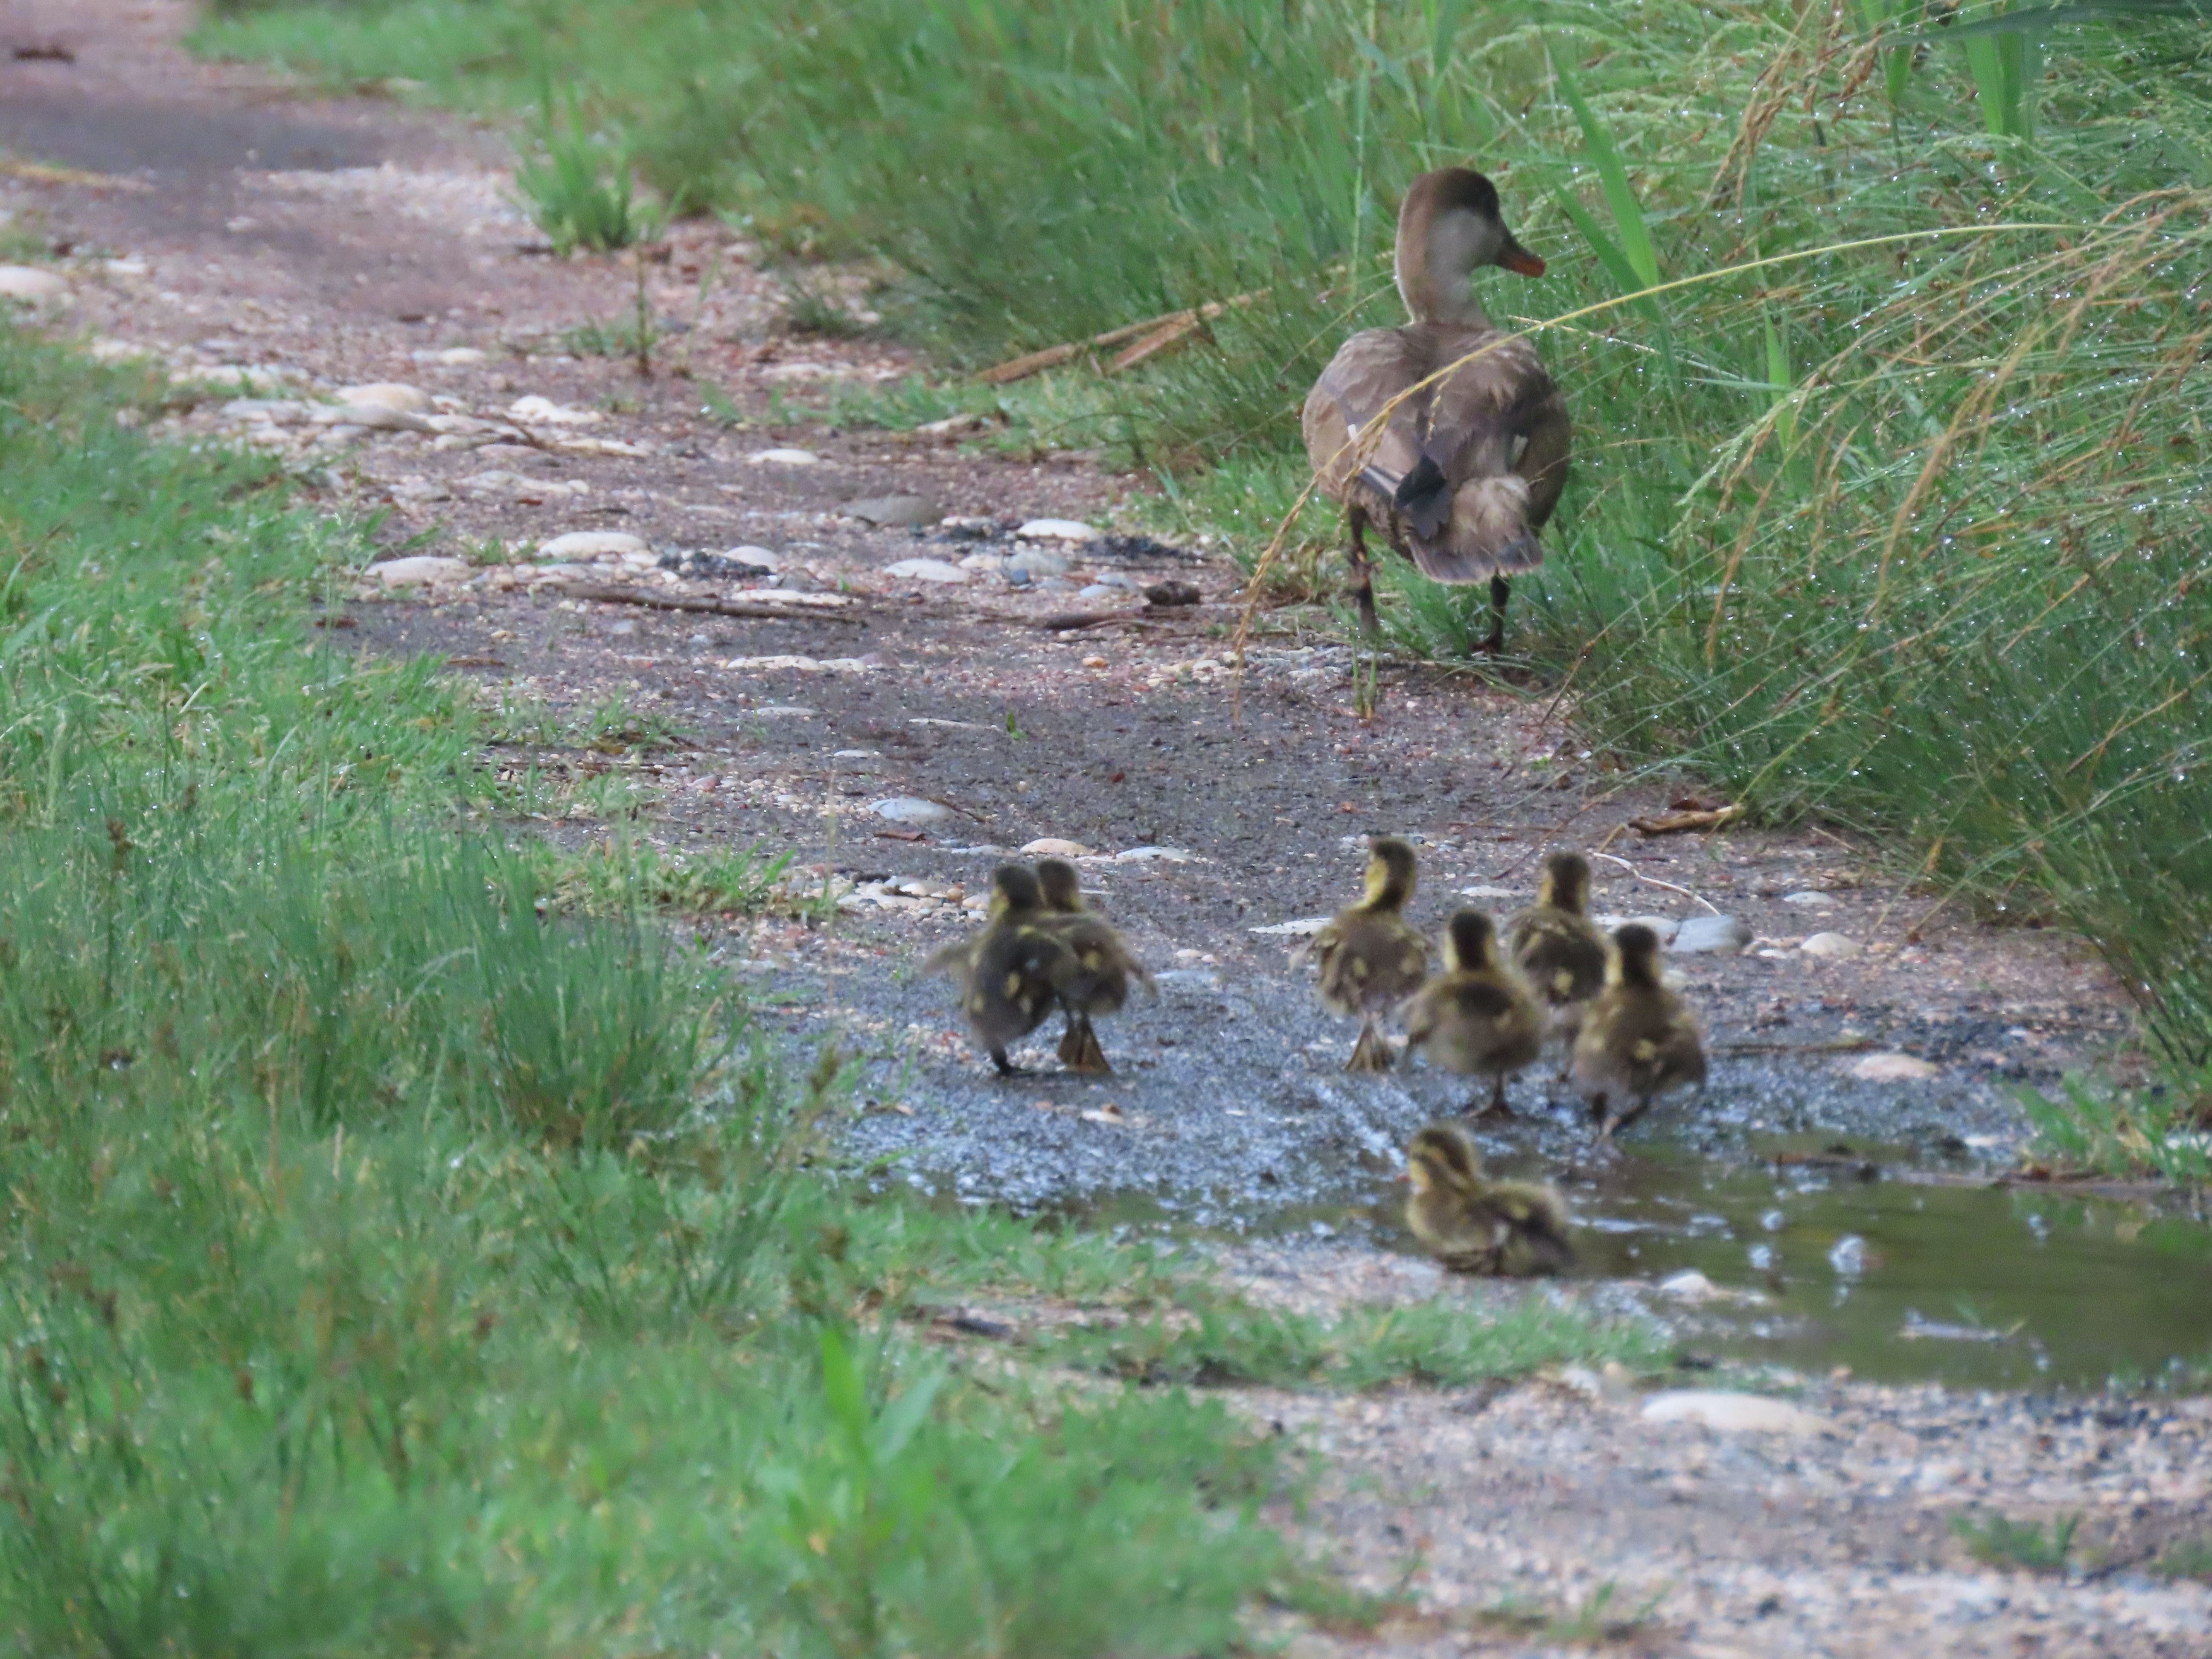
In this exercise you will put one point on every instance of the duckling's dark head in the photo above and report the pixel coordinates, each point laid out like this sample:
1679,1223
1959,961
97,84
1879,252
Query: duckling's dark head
1390,873
1450,226
1470,943
1061,886
1014,887
1636,955
1443,1155
1566,882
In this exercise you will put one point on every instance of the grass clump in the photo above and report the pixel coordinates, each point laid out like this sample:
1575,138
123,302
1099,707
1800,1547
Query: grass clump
1997,1540
391,1259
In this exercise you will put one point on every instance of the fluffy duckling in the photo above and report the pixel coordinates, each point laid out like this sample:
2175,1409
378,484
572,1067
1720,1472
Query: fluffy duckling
1008,972
1370,959
1557,947
1476,1225
1096,972
1476,1018
1637,1040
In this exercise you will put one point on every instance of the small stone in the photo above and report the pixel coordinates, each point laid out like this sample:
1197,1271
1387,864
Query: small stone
989,564
1692,1286
784,457
351,418
1892,1069
951,426
593,545
454,356
30,283
1701,935
422,570
1172,592
623,628
1831,945
1303,927
1095,662
894,510
765,558
1038,563
909,809
1051,847
1848,1255
1810,900
925,570
1115,579
1730,1413
1146,854
1097,591
534,410
387,394
1055,530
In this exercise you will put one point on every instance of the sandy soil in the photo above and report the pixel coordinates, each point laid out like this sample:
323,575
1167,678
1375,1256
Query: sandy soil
272,247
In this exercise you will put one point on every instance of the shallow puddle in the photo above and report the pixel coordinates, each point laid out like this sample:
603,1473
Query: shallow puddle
1834,1263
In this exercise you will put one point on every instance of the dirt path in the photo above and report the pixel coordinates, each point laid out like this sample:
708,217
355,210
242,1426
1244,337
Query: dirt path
280,247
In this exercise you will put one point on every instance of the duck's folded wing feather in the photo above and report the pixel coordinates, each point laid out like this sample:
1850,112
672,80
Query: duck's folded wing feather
1368,371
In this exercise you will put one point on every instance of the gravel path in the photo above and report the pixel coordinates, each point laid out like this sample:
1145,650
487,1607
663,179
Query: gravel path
273,249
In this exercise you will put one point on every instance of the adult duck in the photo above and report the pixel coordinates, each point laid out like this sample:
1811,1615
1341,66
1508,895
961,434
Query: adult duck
1466,470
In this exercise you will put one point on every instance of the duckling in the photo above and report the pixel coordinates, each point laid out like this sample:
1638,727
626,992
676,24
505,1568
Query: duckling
1007,973
1476,1225
1370,959
1557,947
1467,471
1637,1040
1097,970
1476,1018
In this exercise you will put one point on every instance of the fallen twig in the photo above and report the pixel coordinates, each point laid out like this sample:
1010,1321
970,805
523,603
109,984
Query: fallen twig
1152,336
1611,858
1673,824
707,604
1067,621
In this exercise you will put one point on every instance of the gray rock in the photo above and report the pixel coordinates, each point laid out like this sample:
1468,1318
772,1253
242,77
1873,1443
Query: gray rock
1892,1069
894,510
911,810
1831,945
423,570
1702,934
1037,563
592,544
1809,900
387,394
927,570
30,282
1097,591
1730,1413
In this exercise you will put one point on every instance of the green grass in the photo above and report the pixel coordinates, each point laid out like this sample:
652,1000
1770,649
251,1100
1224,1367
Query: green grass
1997,1540
1891,509
407,1242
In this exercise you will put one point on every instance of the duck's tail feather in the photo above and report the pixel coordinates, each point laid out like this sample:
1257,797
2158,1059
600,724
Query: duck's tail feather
1486,534
1423,499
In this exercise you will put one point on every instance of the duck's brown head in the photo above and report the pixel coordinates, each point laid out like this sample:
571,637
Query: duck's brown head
1448,228
1390,874
1442,1156
1470,943
1566,882
1014,890
1061,886
1635,958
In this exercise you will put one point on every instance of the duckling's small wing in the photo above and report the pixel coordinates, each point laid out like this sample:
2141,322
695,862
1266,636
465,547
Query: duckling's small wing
951,958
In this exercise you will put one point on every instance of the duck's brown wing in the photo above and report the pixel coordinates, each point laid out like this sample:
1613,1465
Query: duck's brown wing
1466,469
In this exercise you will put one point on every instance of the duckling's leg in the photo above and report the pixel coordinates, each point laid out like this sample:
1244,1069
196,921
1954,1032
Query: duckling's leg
1071,1040
1500,589
1007,1067
1497,1108
1373,1052
1363,568
1088,1055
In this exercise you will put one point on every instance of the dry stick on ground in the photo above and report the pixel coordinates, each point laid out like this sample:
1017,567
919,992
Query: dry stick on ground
1612,859
708,606
1152,336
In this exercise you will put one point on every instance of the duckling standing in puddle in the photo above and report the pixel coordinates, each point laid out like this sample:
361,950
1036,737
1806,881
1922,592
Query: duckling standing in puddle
1095,972
1008,973
1476,1018
1473,1224
1467,467
1637,1040
1371,960
1559,949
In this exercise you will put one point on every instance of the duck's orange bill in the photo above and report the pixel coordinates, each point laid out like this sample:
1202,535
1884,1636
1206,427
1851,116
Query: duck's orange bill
1519,260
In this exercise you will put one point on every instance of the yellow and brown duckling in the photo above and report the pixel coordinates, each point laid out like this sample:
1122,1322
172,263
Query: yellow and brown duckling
1473,1224
1476,1018
1557,947
1371,960
1094,975
1638,1039
1008,973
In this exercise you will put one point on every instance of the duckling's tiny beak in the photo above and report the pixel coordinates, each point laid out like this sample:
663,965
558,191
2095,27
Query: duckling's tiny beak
1519,260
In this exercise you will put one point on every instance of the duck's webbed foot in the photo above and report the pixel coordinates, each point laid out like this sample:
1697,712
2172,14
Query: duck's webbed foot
1087,1055
1482,1110
1007,1067
1372,1052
